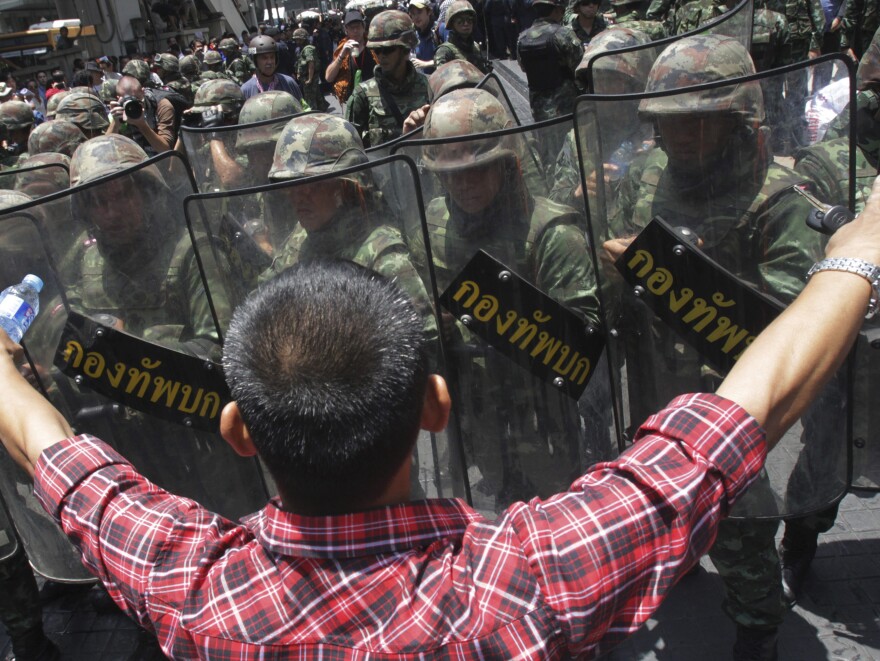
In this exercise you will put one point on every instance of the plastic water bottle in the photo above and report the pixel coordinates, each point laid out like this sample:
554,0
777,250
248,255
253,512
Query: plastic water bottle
19,305
620,159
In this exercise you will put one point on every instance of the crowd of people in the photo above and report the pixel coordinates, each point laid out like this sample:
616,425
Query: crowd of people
567,575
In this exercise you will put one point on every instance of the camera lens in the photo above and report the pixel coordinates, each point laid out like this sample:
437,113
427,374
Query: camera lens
133,108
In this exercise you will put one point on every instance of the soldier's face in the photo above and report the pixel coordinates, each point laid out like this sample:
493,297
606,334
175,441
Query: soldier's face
117,211
391,60
695,142
588,9
463,25
315,205
475,188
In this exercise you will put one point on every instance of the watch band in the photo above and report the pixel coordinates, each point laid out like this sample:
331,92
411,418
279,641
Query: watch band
869,271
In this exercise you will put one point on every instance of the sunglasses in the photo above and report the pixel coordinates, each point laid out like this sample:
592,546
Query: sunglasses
384,50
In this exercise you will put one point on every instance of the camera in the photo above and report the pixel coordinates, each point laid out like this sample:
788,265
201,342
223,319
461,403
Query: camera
132,106
208,118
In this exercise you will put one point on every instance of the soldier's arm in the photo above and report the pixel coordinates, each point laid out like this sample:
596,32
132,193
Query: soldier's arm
442,55
357,111
817,19
397,265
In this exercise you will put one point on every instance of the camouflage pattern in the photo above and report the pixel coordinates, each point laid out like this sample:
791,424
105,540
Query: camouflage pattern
213,58
868,75
190,67
806,23
769,33
140,70
52,103
85,110
107,91
392,28
16,115
219,92
167,63
12,198
689,16
457,47
462,7
547,104
315,144
239,67
453,75
369,112
860,24
630,67
102,156
311,90
631,16
44,180
268,105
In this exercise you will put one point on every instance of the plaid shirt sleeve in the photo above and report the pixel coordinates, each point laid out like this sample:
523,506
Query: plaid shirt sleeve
122,523
606,553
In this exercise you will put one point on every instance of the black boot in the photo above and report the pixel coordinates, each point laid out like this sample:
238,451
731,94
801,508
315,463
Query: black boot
755,644
796,552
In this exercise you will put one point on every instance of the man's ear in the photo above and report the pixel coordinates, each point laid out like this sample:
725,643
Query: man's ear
436,406
235,432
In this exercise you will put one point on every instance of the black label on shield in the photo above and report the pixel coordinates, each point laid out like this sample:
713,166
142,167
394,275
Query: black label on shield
524,324
149,378
715,312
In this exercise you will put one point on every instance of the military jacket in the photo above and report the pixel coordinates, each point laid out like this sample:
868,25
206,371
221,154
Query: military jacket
241,69
860,22
599,24
806,20
457,48
691,15
634,20
826,164
311,92
569,50
371,112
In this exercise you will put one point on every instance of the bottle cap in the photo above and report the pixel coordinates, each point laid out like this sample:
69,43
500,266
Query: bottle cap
34,281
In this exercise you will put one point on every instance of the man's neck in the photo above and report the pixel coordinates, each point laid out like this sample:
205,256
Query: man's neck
265,80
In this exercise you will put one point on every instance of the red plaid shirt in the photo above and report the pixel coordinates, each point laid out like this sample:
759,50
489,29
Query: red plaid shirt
570,575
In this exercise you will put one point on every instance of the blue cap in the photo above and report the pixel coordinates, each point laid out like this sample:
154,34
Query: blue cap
34,281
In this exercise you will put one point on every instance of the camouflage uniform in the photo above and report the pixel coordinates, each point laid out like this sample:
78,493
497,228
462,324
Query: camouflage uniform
378,106
461,48
239,67
214,63
169,67
769,34
190,69
453,75
549,53
52,103
631,14
689,16
15,116
46,180
86,111
752,223
140,70
861,21
312,91
516,432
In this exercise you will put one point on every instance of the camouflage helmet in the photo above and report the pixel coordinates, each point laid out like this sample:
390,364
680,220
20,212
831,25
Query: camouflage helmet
633,66
213,57
699,59
85,110
268,105
452,75
299,33
137,69
49,179
16,115
52,103
466,112
167,62
229,44
459,8
262,44
12,198
107,91
552,3
315,144
868,74
392,28
104,155
219,91
190,67
58,136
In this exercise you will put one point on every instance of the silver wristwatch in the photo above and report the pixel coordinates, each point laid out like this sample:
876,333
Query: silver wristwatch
869,271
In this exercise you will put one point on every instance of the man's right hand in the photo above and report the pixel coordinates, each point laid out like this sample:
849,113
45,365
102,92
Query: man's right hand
11,349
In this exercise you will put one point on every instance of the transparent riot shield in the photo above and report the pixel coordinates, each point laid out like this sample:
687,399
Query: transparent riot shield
703,240
127,340
232,157
521,327
736,23
37,180
343,215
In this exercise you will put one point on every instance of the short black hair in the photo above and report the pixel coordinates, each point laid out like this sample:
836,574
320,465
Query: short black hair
328,365
543,10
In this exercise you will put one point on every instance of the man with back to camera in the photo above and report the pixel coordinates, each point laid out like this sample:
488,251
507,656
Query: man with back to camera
327,369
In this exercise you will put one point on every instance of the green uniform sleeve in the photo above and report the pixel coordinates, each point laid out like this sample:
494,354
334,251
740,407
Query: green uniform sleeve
357,110
397,265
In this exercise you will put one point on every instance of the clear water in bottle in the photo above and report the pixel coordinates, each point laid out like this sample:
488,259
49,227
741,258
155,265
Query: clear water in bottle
19,304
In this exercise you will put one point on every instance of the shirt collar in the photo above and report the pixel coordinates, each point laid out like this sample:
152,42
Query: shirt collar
392,529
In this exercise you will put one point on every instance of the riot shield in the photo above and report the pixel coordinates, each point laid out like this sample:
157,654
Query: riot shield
36,180
736,23
126,342
703,241
341,215
232,157
520,316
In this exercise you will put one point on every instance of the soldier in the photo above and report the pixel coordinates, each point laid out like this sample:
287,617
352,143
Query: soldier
689,16
213,62
239,67
191,69
218,103
549,53
861,20
632,14
168,68
140,70
769,33
45,180
266,77
86,111
17,119
714,175
460,18
58,136
20,609
378,107
587,22
528,442
307,72
341,218
52,103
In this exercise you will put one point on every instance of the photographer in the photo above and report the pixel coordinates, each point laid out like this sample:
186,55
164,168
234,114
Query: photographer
150,119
